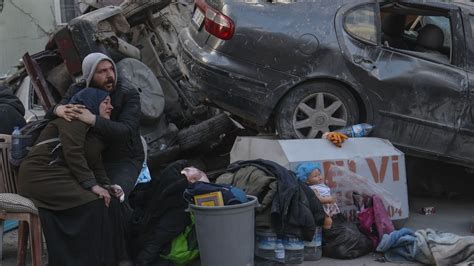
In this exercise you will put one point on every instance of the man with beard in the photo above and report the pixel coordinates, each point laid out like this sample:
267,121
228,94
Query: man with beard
123,156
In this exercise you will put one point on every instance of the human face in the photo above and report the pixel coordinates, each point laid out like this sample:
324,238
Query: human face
105,108
104,76
315,178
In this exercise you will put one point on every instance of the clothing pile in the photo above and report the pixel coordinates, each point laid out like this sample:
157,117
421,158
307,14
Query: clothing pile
427,247
159,217
288,206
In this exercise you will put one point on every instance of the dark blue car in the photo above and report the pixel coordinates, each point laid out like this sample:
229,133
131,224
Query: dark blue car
302,68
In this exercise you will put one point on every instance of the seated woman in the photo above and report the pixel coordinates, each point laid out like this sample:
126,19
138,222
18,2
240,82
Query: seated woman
63,175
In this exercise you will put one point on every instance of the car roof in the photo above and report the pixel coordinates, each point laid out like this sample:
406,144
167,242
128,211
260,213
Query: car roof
465,3
446,4
443,4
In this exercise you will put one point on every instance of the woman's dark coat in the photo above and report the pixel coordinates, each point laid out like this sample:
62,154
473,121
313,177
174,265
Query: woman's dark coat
58,180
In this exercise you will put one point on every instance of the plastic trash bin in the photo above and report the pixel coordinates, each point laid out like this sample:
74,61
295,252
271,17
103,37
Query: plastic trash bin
226,234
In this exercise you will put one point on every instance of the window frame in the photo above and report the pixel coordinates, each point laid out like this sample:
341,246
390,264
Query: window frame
469,35
377,22
58,14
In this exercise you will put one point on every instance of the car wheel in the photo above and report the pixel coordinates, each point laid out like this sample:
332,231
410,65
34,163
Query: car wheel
312,109
138,75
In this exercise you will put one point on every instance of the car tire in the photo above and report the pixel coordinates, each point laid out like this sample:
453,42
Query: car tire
311,109
207,130
139,76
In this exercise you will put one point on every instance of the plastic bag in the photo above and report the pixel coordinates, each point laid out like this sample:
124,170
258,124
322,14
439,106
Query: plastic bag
144,176
193,175
349,181
374,220
344,240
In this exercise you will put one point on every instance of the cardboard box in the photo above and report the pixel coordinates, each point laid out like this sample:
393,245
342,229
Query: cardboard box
373,158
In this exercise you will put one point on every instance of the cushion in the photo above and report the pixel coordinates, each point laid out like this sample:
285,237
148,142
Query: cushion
15,203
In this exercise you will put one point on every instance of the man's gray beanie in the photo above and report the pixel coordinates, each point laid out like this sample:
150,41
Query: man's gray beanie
89,64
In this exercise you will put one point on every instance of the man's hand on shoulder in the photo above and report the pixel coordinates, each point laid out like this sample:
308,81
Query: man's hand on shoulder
69,111
87,117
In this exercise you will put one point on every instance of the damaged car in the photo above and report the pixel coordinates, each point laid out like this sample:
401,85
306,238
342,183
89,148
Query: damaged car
301,68
172,121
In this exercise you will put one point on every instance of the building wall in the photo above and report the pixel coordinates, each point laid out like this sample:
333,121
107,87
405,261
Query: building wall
24,27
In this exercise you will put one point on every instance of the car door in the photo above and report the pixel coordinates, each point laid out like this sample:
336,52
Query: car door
416,101
463,147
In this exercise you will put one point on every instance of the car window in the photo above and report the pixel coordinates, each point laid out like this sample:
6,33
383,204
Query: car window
416,34
360,23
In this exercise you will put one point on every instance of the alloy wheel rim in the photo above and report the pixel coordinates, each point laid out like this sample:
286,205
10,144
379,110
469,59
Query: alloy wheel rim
319,113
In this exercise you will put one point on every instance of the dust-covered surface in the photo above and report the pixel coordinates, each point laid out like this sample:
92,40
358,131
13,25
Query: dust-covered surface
451,216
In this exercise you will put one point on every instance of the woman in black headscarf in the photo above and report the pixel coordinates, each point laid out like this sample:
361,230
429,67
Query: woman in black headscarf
82,218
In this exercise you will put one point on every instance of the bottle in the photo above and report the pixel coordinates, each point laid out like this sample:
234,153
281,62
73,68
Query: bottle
318,238
280,251
312,249
266,243
294,250
16,144
359,130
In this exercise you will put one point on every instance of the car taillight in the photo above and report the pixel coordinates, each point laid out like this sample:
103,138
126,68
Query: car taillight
215,22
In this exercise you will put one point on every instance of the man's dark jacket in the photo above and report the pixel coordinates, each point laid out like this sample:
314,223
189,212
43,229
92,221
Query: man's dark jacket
121,133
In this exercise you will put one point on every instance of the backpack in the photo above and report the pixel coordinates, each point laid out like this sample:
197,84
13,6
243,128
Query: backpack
29,134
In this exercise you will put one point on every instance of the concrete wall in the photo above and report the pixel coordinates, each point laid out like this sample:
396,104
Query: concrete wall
24,26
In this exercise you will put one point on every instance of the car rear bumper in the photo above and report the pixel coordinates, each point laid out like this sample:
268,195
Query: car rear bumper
240,87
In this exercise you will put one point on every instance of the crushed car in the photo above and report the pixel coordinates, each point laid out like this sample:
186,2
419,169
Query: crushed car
302,68
172,121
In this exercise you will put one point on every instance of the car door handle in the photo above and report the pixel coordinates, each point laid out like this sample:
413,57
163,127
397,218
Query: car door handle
361,59
364,62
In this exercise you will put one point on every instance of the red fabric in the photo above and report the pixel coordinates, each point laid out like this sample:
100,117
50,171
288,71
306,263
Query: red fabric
366,220
375,221
383,223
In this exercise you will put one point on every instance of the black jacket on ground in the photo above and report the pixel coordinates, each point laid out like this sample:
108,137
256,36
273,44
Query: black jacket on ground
295,208
122,132
11,111
159,214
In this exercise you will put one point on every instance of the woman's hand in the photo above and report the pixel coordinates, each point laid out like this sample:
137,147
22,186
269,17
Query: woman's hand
87,117
116,191
102,193
69,111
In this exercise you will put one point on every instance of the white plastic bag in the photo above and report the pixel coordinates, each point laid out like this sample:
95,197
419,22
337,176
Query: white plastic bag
350,181
193,174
